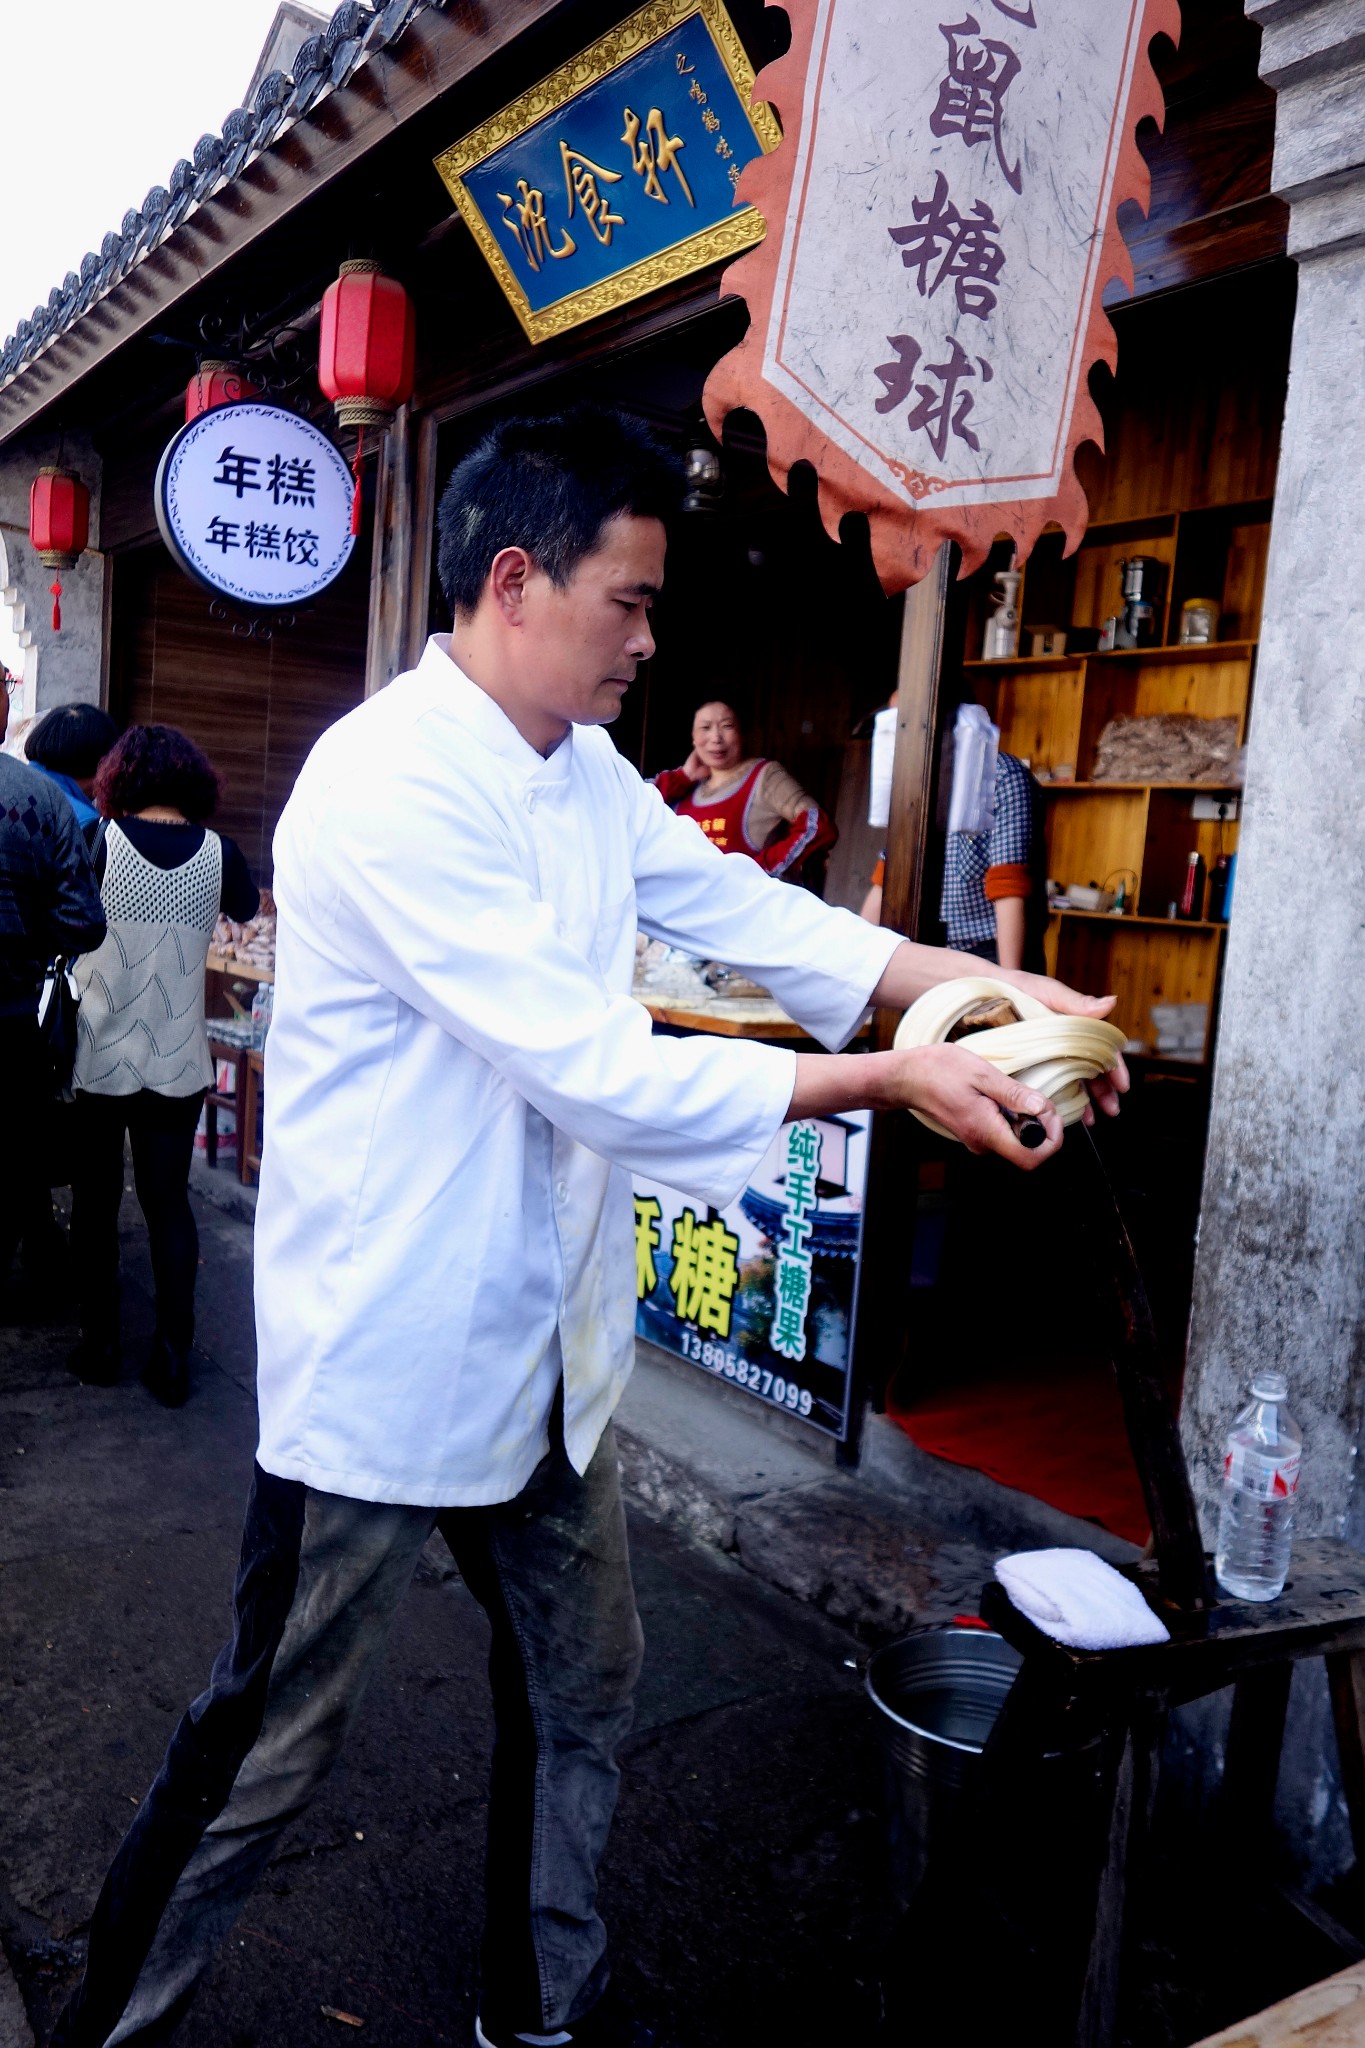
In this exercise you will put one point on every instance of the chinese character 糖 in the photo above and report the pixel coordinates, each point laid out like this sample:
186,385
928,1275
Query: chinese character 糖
705,1272
945,245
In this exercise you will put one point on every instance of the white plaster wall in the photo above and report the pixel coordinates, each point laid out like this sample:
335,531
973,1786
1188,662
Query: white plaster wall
58,668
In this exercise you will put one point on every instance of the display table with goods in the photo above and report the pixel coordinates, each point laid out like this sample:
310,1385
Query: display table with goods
239,993
246,951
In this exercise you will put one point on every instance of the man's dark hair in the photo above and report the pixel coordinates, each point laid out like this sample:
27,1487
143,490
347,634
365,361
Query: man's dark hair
72,740
153,765
548,485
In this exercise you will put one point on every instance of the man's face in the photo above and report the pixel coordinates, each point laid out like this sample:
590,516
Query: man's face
583,642
716,737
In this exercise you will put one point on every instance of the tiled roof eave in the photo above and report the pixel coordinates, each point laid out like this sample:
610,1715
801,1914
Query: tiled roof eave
54,334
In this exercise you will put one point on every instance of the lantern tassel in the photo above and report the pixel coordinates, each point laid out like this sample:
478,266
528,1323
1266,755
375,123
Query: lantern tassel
355,469
57,606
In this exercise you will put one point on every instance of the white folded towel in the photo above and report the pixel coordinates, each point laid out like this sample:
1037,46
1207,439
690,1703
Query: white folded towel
1077,1599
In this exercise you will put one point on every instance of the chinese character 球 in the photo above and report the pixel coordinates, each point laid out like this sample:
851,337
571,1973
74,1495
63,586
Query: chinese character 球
937,412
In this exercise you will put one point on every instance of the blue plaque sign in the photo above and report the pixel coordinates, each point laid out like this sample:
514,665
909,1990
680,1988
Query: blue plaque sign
617,173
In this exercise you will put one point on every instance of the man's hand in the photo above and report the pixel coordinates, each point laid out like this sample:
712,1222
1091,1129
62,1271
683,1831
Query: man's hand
912,969
1107,1088
966,1095
963,1093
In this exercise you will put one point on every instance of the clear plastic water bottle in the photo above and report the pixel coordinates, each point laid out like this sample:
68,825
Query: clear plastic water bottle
1260,1487
262,1010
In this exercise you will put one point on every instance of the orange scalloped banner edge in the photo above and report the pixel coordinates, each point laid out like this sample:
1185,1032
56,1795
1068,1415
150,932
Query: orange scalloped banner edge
904,542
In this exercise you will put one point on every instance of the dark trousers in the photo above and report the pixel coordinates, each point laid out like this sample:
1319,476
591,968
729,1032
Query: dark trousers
319,1582
26,1212
161,1130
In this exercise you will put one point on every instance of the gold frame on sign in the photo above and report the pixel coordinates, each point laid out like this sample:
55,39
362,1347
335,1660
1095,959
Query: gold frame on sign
741,230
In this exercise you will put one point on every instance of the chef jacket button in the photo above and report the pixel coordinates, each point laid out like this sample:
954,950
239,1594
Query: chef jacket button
530,799
562,1190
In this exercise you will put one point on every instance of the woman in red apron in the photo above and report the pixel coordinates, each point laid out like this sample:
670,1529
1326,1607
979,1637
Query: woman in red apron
744,805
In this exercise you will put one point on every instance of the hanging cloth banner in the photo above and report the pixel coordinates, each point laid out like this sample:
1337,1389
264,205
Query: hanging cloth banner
942,221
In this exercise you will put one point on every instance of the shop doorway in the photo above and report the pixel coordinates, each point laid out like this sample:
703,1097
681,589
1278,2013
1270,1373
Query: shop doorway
760,608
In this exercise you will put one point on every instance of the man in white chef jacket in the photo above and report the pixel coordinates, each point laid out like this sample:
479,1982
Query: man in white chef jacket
460,1086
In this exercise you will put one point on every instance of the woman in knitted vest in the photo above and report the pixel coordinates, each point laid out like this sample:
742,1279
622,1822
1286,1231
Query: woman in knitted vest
142,1058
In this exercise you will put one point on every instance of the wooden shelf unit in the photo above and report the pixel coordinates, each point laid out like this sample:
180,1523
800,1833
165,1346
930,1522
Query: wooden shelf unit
1051,714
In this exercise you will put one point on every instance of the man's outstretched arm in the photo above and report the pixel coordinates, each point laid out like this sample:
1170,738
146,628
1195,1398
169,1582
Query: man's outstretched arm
952,1085
825,966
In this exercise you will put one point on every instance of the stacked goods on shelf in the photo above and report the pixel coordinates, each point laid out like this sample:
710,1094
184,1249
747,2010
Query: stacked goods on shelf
250,945
1139,755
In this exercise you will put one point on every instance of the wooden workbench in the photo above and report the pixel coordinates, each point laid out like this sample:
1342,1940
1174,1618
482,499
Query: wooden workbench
727,1017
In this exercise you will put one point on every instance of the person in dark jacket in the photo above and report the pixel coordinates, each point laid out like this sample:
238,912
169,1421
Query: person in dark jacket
67,745
49,904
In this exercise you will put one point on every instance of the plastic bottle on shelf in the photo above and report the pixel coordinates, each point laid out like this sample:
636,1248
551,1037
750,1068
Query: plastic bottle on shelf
262,1010
1260,1488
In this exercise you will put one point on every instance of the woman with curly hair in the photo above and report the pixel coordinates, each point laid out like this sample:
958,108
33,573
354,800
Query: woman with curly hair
142,1057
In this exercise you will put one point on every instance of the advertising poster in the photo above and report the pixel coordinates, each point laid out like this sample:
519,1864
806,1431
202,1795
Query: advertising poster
764,1292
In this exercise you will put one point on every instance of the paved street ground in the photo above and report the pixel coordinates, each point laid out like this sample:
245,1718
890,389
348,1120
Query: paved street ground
743,1880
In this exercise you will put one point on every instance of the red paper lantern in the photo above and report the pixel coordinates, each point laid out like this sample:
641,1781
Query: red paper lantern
58,526
216,384
367,346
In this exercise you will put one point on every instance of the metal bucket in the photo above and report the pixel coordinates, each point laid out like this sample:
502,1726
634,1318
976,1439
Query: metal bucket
937,1694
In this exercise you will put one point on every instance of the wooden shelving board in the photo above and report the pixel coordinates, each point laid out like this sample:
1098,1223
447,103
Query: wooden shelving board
1202,650
1104,788
1131,917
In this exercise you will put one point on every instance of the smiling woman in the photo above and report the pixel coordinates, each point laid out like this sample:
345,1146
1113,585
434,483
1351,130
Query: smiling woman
744,803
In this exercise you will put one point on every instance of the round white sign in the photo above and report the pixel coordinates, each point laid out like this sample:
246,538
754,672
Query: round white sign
256,503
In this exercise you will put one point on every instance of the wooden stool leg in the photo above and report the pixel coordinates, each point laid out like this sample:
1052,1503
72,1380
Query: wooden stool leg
1255,1734
1346,1683
1127,1772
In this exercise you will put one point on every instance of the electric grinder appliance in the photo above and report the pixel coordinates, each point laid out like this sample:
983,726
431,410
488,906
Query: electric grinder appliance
1143,583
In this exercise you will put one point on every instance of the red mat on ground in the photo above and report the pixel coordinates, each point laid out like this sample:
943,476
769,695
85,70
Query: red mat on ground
1055,1431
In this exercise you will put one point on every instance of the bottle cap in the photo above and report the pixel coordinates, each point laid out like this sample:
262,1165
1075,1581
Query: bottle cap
1269,1386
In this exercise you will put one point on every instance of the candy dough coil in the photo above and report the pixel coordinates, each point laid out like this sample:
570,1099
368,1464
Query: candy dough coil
1054,1054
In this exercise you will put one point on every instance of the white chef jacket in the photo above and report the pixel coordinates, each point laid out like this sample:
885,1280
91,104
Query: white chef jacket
458,1084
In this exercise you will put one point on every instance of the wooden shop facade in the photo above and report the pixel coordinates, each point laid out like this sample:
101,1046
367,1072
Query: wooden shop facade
338,160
